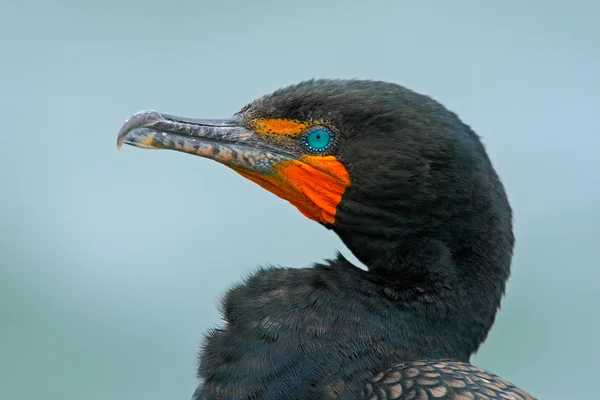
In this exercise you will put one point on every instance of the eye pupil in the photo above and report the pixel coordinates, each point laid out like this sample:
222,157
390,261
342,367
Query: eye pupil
318,140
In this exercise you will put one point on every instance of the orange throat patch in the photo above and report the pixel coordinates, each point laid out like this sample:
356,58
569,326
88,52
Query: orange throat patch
313,184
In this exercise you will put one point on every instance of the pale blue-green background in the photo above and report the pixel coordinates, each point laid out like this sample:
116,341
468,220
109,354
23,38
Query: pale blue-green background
112,263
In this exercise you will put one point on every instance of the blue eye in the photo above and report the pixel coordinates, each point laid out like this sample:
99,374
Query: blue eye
318,140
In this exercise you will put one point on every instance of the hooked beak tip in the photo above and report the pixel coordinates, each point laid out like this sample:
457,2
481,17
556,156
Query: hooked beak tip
138,120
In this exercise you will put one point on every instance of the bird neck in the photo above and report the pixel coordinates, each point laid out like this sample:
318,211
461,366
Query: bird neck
457,292
444,260
425,296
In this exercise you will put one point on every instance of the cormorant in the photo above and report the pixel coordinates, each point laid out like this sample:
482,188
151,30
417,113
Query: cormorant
410,190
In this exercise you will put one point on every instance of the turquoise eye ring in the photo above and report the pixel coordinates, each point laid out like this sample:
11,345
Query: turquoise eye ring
318,139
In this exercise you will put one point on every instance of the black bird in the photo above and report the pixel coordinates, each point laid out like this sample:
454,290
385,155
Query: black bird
410,190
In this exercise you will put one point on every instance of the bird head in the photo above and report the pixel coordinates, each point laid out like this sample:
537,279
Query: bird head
373,161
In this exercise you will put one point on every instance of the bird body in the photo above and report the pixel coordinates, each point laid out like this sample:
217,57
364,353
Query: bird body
410,190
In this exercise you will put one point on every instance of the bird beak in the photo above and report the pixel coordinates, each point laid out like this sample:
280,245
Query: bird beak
313,184
223,140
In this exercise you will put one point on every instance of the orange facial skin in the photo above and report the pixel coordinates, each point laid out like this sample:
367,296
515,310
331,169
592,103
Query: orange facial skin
314,184
287,127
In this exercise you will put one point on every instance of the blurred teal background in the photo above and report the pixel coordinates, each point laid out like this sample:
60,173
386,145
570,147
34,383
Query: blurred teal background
111,263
